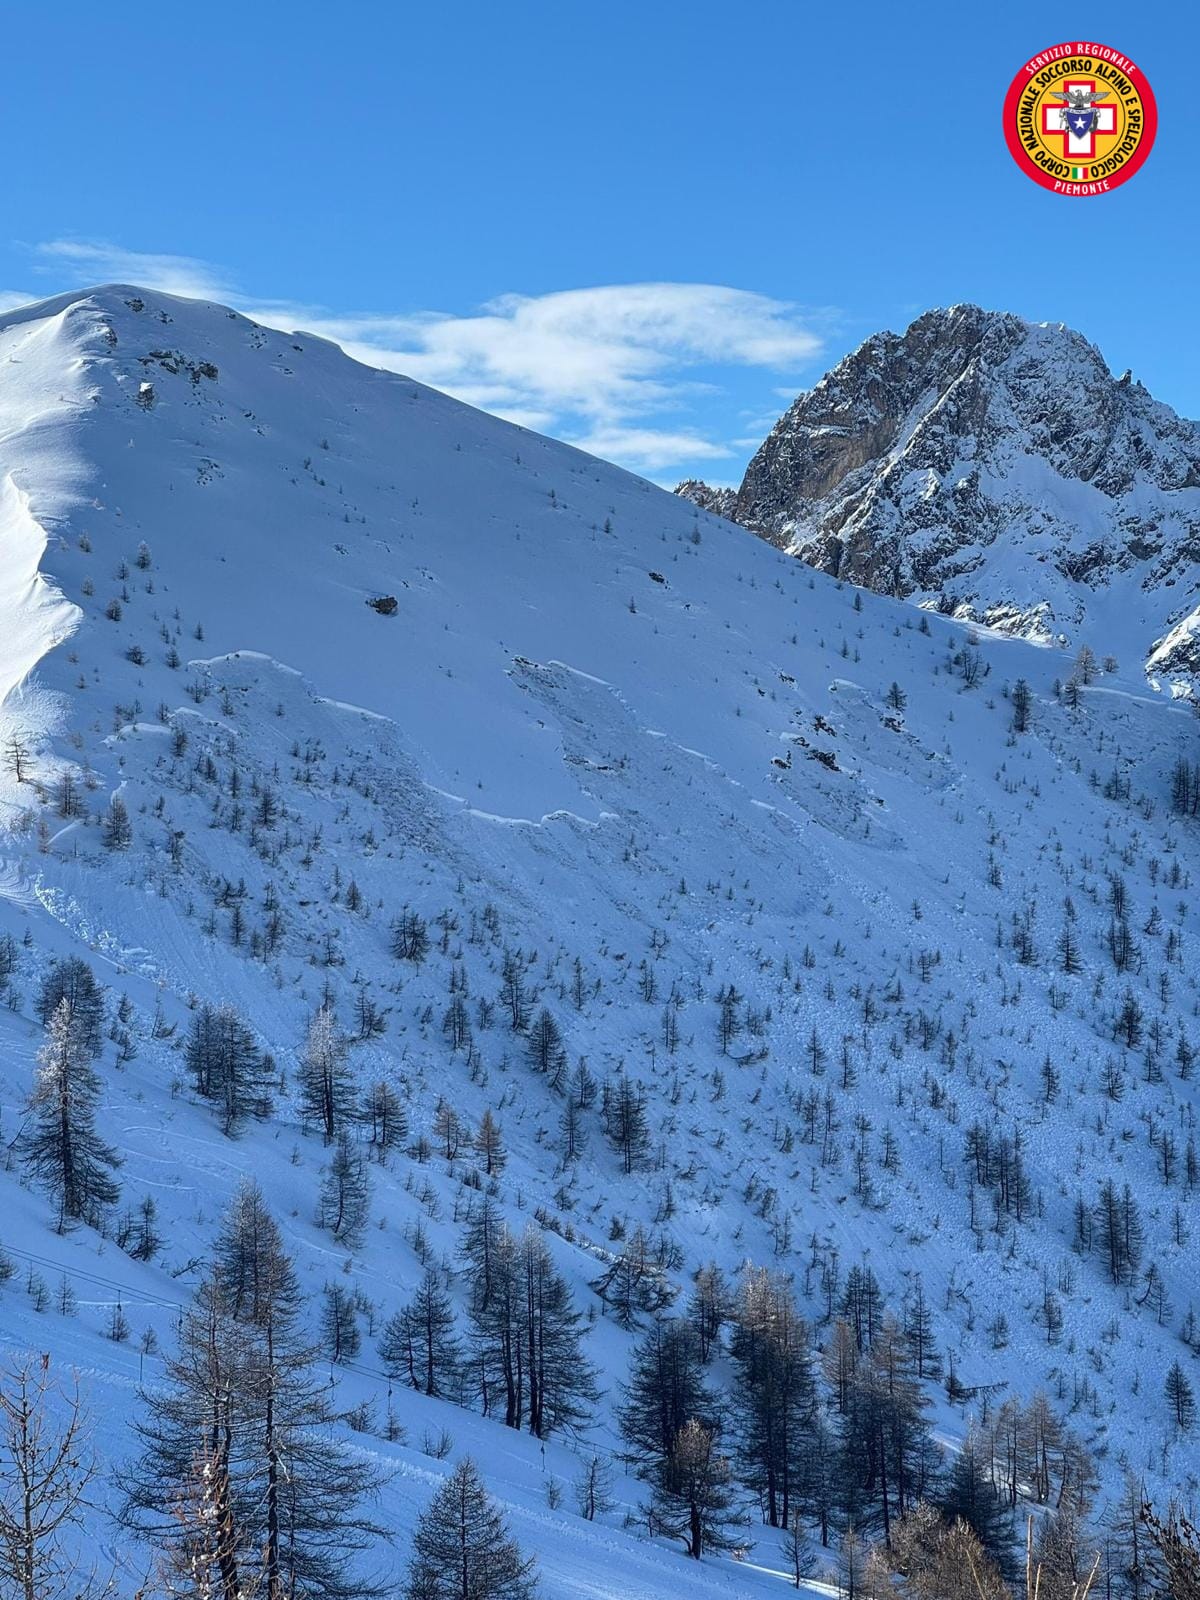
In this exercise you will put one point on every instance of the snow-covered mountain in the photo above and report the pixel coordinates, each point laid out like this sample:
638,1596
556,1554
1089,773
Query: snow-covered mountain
996,468
803,864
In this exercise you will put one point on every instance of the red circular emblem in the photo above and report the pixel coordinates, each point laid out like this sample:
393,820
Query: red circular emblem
1080,118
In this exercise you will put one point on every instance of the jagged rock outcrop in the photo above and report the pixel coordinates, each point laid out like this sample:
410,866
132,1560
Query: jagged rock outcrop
996,468
721,502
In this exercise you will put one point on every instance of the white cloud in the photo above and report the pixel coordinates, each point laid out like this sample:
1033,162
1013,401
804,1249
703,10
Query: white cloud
102,262
650,449
10,299
604,354
618,368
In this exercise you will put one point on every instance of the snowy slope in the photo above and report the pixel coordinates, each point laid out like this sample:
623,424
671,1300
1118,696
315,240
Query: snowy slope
994,467
600,725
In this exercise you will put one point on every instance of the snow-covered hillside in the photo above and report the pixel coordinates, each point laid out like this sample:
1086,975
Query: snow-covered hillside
637,757
994,467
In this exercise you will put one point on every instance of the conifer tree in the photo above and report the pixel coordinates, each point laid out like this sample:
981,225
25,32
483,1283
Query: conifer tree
635,1284
1064,1552
795,1550
1176,1542
625,1121
16,755
970,1495
693,1494
410,937
573,1131
345,1193
382,1115
709,1308
479,1252
61,1149
1119,1229
116,830
885,1457
326,1080
545,1049
1181,1397
918,1330
593,1488
771,1348
666,1390
1022,704
816,1485
528,1337
940,1561
227,1066
339,1324
462,1549
74,981
1131,1560
419,1343
862,1305
46,1468
490,1145
199,1416
241,1398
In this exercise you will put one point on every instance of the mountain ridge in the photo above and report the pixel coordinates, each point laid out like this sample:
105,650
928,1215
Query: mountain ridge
779,853
994,467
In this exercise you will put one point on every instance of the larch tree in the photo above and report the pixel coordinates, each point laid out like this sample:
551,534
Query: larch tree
1120,1232
939,1560
490,1145
16,756
242,1397
116,830
381,1113
624,1109
327,1090
1181,1397
479,1252
885,1456
709,1308
666,1390
345,1196
227,1066
46,1468
462,1549
970,1496
528,1337
1022,704
61,1149
693,1496
772,1349
198,1416
339,1323
1176,1542
545,1050
635,1283
419,1343
74,981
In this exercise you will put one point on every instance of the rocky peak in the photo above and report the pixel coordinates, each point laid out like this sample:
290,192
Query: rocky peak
721,502
994,467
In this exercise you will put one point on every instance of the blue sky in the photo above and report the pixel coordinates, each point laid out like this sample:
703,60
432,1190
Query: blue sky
642,227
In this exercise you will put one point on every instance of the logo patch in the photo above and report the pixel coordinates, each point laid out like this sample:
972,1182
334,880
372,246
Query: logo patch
1080,118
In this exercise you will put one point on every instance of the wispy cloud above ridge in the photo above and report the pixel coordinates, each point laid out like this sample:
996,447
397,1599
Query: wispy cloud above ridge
619,369
98,261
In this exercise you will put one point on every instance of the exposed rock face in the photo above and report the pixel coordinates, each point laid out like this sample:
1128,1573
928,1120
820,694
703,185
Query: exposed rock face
995,467
721,502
